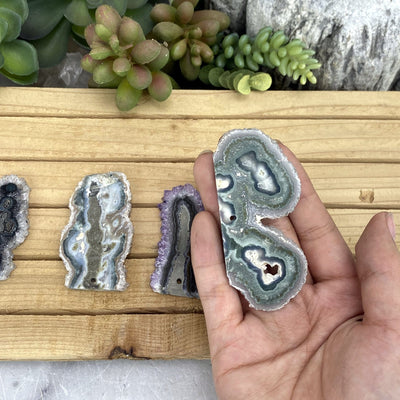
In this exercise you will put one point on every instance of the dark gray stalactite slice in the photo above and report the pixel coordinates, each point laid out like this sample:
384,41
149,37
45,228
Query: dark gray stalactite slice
174,273
98,237
14,225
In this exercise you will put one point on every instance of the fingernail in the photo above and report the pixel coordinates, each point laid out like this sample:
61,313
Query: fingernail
390,224
205,152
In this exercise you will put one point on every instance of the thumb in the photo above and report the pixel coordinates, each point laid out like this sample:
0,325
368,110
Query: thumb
378,268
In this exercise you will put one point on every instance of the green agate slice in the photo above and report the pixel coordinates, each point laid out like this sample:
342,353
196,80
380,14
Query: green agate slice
256,181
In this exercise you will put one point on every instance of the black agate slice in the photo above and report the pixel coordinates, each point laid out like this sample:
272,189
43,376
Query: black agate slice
173,272
14,202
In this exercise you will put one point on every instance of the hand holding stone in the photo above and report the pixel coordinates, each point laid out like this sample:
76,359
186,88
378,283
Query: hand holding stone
337,339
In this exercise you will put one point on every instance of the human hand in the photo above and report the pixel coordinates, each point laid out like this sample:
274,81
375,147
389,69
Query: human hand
339,338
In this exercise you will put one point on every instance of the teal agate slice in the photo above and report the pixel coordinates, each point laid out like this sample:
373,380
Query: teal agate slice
98,237
255,181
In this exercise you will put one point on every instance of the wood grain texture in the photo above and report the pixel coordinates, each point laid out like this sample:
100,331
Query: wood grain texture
208,104
136,336
338,184
37,287
89,139
349,143
47,223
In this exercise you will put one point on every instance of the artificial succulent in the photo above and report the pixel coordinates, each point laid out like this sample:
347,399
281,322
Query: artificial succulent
18,59
50,24
268,49
121,57
189,33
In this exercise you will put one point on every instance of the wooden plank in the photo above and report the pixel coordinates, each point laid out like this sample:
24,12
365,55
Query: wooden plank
46,226
39,337
338,184
105,140
37,287
209,104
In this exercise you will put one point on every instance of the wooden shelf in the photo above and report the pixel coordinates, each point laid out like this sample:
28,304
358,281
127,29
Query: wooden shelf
349,143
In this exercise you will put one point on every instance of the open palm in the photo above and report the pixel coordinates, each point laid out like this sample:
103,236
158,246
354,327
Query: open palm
339,338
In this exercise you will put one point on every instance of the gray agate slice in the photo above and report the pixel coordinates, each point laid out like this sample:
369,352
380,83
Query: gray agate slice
14,225
256,181
173,272
98,237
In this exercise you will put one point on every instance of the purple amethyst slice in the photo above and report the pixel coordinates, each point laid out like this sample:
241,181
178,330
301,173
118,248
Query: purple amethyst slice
173,272
14,202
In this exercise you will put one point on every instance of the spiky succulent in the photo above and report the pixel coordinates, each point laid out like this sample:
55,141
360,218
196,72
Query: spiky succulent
18,59
121,57
189,33
268,49
50,24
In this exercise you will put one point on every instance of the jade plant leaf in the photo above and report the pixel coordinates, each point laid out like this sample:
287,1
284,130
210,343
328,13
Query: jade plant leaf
13,24
43,17
18,6
20,80
77,13
52,48
3,28
20,58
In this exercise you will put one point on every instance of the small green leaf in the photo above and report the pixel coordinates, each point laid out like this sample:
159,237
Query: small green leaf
214,75
103,73
127,97
1,60
18,6
243,85
77,13
146,51
13,24
3,28
53,47
21,80
203,75
160,88
139,77
260,81
44,15
20,58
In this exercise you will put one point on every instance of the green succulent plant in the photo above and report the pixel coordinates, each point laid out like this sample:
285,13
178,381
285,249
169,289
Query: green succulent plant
268,49
241,80
18,59
50,24
189,33
121,57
